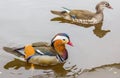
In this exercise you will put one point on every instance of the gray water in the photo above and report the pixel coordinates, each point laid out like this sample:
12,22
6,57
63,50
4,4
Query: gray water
25,21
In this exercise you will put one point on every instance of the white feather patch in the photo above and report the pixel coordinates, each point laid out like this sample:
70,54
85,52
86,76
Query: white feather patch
60,38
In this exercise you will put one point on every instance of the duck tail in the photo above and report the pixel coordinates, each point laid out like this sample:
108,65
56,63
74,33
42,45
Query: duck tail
14,51
55,12
68,10
60,13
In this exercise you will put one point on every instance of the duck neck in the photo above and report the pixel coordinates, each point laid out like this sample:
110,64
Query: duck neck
60,49
99,9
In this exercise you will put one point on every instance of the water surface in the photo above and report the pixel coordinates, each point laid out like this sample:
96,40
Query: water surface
27,21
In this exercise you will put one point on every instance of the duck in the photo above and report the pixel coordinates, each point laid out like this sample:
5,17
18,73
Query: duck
44,53
84,16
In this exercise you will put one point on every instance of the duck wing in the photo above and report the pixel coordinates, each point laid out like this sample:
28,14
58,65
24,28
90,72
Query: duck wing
44,47
82,14
40,44
41,48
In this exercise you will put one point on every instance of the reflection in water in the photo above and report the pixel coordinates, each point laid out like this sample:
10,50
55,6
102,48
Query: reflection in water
97,31
56,70
115,65
104,71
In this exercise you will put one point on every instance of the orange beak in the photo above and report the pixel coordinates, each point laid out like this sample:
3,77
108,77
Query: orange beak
70,43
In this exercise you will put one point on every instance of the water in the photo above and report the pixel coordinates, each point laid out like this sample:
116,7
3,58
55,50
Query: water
27,21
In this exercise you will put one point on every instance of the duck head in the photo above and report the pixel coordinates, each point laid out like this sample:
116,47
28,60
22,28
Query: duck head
100,6
62,38
58,43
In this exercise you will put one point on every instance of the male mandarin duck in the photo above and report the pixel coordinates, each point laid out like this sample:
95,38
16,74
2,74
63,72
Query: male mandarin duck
84,16
43,53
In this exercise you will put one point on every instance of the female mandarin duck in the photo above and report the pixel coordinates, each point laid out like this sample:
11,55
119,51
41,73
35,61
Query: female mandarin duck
43,53
85,16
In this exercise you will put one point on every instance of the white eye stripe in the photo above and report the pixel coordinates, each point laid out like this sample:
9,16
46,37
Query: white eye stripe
60,37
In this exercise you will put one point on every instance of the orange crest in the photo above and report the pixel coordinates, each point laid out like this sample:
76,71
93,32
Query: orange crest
29,51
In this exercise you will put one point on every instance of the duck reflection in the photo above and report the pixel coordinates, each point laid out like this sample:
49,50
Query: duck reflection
56,70
97,27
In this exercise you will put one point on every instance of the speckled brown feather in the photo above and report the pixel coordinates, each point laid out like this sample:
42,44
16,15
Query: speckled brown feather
82,14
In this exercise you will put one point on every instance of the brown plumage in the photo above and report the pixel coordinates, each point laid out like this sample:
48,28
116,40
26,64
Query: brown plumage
84,16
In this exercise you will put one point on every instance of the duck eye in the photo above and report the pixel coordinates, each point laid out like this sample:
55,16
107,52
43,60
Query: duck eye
106,4
63,39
